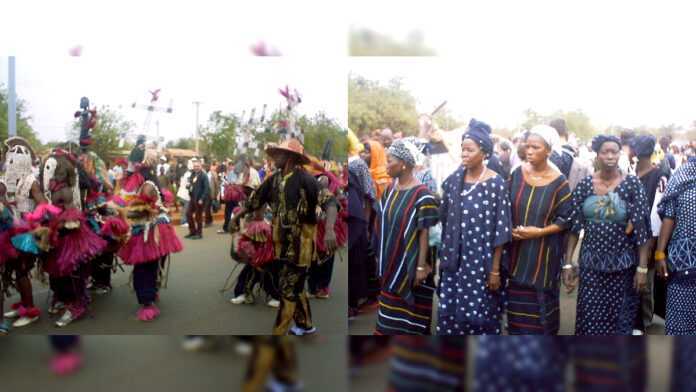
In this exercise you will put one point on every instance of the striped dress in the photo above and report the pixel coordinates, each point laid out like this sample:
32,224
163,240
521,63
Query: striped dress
535,265
609,363
428,364
403,308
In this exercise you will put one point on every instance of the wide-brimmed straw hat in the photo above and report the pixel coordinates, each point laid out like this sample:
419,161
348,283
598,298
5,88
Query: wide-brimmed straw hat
292,146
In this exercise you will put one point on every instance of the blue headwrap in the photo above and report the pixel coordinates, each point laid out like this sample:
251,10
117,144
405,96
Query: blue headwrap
480,132
601,139
643,145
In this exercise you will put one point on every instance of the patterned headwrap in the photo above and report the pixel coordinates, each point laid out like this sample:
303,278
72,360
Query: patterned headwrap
599,140
401,150
643,145
480,132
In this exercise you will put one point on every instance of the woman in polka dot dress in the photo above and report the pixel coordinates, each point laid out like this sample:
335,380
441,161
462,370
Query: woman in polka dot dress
611,207
476,224
678,212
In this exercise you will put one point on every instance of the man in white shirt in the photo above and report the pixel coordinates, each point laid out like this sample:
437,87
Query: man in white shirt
163,164
183,193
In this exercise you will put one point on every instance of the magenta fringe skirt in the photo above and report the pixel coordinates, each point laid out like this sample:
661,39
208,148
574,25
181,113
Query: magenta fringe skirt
73,248
137,250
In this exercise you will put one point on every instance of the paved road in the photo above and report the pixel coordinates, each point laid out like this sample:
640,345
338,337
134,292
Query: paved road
365,324
157,363
373,378
192,303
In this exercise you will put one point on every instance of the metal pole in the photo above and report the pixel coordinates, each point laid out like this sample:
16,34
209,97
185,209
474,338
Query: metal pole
12,100
198,104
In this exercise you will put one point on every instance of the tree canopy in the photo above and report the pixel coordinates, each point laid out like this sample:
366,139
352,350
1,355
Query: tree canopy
372,105
106,133
24,129
367,42
218,137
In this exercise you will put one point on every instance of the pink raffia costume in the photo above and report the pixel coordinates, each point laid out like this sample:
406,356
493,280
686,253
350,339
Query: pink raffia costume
152,239
21,194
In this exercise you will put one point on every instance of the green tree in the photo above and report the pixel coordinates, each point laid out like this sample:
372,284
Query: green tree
366,42
372,105
23,128
319,129
218,137
577,121
106,134
445,120
185,143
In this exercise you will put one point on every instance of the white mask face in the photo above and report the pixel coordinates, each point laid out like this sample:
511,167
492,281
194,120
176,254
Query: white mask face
17,165
48,171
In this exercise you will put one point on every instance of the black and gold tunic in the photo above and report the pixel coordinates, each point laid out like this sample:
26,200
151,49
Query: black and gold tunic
293,199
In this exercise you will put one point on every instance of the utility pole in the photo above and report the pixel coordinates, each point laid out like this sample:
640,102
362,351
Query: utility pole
11,100
198,133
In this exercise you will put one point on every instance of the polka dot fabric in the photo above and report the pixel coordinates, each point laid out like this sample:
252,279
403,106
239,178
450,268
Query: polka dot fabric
476,220
681,305
606,247
682,247
520,364
684,367
607,303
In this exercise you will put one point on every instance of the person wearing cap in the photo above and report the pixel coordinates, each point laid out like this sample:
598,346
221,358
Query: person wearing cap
541,213
292,194
407,210
612,209
199,193
476,225
163,166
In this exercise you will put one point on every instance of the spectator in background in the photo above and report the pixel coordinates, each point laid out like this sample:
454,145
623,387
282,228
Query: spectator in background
213,203
163,179
504,151
183,194
625,163
386,137
199,192
669,163
163,164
